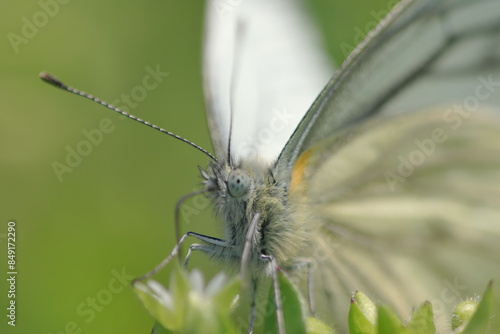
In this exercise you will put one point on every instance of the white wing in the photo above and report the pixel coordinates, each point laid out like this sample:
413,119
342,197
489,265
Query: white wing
406,209
263,55
424,53
396,167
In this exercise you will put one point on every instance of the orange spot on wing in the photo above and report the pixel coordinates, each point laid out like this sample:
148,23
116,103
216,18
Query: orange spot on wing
297,179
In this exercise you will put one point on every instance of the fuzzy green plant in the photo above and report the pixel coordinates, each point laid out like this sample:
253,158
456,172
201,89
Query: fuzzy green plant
191,306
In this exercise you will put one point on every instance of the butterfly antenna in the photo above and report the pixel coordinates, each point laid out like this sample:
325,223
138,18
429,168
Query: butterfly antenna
230,135
240,32
57,83
231,112
177,214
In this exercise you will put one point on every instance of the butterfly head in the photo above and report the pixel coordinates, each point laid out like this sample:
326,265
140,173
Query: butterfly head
228,183
238,182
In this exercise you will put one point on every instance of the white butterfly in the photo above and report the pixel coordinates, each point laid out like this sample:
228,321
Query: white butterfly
389,183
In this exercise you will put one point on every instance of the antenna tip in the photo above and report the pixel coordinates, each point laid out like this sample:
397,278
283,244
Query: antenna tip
48,78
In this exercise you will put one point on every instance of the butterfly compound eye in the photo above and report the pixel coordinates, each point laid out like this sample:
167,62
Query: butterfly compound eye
238,182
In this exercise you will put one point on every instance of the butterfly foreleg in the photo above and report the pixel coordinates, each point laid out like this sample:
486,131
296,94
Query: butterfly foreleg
253,308
177,212
212,249
245,255
214,243
280,319
310,289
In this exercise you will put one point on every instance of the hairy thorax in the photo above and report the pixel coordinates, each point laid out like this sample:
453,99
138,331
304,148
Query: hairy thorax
277,234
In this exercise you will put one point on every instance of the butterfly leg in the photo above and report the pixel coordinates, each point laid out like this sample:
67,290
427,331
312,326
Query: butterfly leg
252,305
196,247
310,291
213,248
277,293
245,255
177,214
244,268
214,244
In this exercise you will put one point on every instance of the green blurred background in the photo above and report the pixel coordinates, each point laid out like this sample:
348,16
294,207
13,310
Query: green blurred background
114,211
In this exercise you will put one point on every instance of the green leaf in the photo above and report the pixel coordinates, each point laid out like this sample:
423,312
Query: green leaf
480,321
159,329
422,321
316,326
292,309
362,315
389,323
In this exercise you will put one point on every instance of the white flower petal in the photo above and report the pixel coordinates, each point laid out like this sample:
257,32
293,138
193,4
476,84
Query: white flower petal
163,295
196,280
215,285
